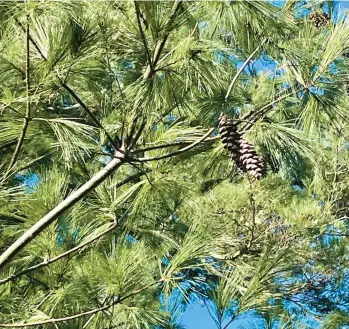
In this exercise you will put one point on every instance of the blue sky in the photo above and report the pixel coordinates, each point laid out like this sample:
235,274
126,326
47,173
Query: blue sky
343,4
197,317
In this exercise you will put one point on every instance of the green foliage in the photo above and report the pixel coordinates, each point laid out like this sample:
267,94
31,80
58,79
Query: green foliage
156,235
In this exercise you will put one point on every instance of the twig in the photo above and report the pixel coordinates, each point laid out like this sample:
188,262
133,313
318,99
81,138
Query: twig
87,110
210,313
262,111
156,56
64,254
26,166
8,144
159,47
27,113
135,139
229,322
126,180
184,149
253,206
31,39
241,69
172,50
143,36
173,144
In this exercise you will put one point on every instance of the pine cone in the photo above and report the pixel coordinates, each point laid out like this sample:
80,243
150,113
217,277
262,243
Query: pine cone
320,19
240,151
252,163
230,137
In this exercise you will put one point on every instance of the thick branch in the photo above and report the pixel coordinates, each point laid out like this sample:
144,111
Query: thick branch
64,254
27,113
184,149
49,218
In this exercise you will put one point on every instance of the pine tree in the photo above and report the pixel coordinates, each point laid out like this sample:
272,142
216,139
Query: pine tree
119,204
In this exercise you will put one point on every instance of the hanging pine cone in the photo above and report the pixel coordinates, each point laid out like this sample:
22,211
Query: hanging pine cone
240,151
252,163
230,137
320,19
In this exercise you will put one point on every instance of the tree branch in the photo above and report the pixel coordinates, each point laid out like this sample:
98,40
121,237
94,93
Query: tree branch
262,111
76,316
156,56
128,180
49,218
71,92
167,145
50,261
27,113
184,149
241,69
160,46
31,39
230,322
8,144
91,115
135,139
143,36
